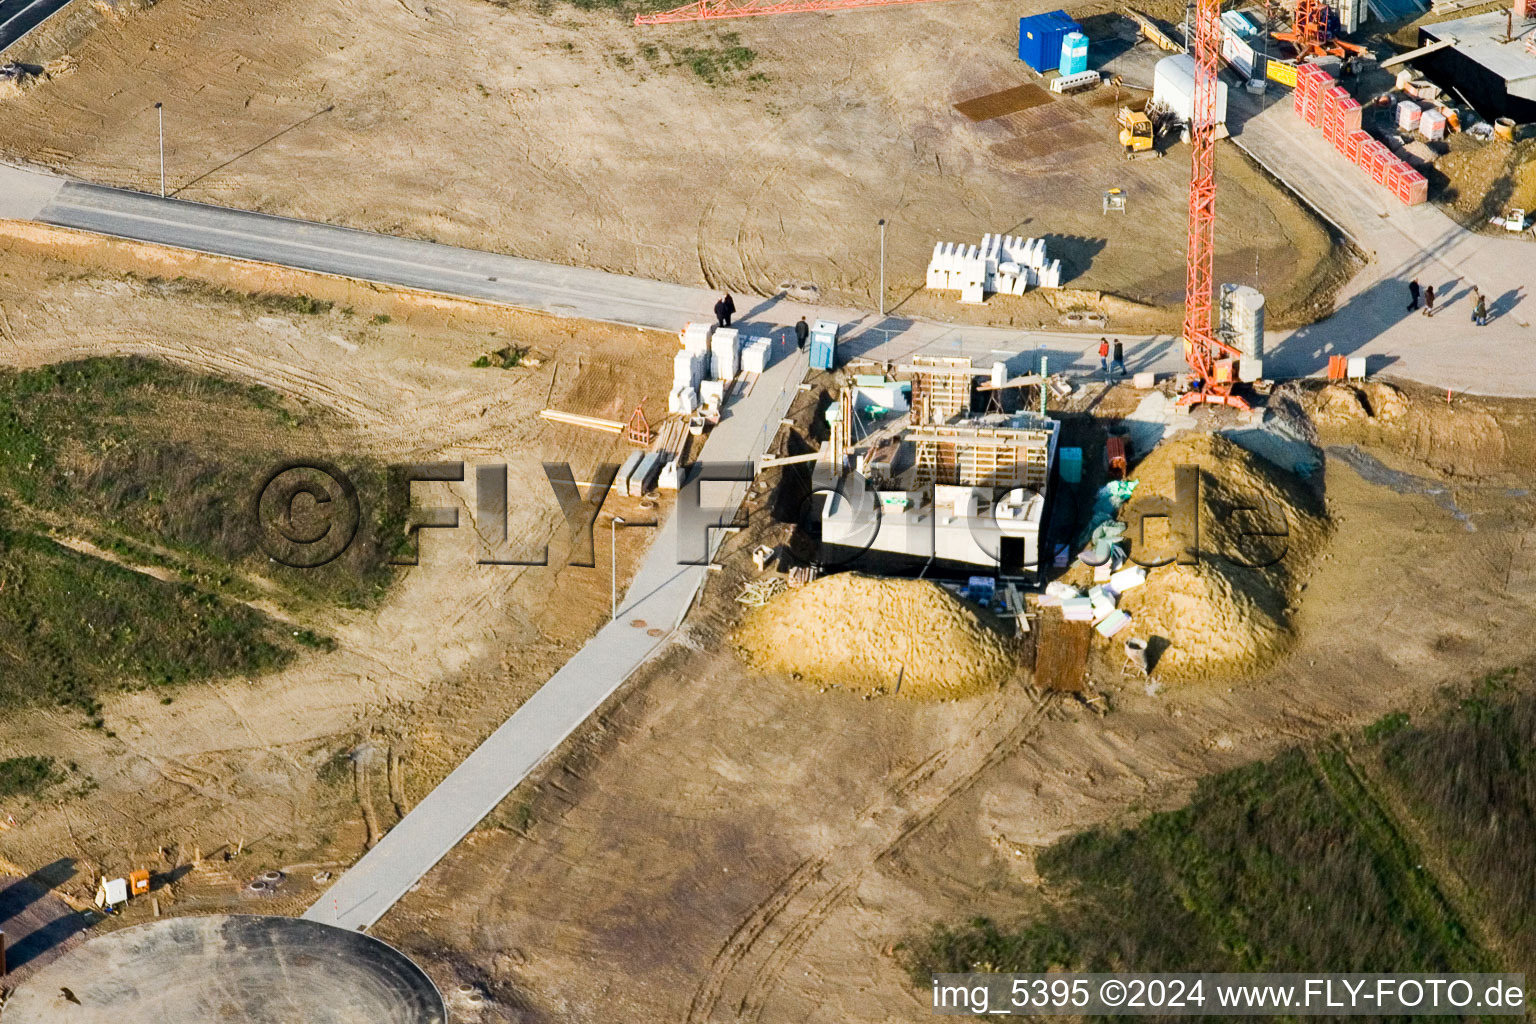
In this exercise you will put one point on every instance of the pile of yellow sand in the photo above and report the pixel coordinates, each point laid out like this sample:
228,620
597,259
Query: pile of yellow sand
865,633
1220,617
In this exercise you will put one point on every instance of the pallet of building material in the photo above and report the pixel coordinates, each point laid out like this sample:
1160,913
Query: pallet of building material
800,575
759,592
1075,83
669,437
1154,35
577,420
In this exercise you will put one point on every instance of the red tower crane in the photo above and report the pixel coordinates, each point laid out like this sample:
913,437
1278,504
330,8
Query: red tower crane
1212,360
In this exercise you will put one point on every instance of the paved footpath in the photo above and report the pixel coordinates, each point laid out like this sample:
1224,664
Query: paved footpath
658,597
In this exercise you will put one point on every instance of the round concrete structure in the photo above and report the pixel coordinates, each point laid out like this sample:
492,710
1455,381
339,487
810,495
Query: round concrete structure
233,970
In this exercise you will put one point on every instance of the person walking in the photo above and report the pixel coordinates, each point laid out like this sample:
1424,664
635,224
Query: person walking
1118,363
1104,356
1413,296
730,308
1429,300
721,317
1479,309
802,332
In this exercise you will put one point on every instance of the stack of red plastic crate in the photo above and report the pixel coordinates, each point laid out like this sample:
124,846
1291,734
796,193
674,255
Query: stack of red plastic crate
1322,103
1310,82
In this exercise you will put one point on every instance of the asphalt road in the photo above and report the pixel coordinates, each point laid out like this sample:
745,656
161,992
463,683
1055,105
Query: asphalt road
409,263
18,17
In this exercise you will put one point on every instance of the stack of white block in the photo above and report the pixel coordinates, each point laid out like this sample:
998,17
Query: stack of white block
1002,263
689,368
687,372
695,337
723,362
755,354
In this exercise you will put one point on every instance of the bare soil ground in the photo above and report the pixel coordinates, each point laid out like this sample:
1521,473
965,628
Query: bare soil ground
746,157
262,765
734,847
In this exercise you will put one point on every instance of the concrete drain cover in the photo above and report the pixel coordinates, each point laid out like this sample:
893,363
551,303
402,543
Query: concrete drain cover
231,969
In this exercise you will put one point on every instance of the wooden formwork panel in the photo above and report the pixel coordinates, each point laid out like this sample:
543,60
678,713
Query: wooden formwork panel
941,388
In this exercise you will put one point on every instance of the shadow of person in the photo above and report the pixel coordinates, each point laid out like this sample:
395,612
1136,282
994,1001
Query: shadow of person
1505,303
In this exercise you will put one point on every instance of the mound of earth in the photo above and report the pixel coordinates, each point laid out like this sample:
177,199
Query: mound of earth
1461,439
868,634
1229,613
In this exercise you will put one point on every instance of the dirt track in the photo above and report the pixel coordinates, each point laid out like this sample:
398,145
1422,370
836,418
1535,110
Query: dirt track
576,137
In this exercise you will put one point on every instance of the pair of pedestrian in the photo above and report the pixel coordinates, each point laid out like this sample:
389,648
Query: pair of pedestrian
1429,298
1479,308
1106,363
724,310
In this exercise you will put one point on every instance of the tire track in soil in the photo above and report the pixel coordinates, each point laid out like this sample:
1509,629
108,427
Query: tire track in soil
823,881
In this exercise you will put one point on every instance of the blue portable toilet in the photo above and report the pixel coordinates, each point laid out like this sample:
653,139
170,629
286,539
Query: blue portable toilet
823,344
1074,53
1040,37
1069,464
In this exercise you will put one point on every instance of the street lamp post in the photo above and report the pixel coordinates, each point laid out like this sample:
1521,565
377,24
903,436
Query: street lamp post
613,548
882,266
160,109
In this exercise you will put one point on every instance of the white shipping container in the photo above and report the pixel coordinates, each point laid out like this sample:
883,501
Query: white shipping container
1173,83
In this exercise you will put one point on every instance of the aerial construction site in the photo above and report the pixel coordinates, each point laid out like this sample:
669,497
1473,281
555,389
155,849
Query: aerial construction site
764,510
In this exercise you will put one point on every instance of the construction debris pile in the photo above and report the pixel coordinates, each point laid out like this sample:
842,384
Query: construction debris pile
1221,616
906,637
1002,263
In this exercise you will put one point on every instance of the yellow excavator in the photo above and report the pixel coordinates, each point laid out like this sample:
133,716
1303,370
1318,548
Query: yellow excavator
1136,133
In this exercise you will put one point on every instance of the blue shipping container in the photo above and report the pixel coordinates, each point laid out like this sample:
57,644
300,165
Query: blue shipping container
1074,53
1040,37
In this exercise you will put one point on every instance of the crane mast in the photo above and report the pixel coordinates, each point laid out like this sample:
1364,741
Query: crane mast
1202,347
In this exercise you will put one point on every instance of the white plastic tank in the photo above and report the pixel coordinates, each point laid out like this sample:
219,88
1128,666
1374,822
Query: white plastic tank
1173,83
1242,319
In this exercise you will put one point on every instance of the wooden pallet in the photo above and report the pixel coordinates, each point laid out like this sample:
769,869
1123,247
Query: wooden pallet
1061,652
